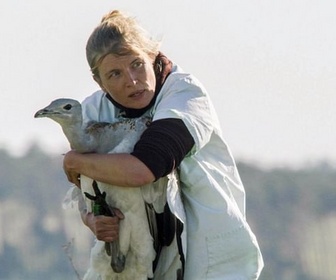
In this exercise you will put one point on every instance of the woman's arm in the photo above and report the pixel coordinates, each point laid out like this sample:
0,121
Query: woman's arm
122,170
160,149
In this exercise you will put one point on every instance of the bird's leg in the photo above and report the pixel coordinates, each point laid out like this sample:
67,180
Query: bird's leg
117,258
100,207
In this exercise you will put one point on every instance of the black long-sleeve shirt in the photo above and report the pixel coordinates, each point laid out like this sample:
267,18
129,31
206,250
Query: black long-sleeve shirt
163,146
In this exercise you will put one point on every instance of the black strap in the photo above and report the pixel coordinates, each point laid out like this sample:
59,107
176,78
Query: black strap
179,230
163,229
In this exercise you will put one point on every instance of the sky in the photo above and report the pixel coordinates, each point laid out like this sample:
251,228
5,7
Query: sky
269,67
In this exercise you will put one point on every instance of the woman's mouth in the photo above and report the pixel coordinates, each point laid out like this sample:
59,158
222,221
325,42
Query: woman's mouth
137,93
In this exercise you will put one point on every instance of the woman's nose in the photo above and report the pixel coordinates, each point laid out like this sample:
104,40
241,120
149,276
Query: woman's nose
131,78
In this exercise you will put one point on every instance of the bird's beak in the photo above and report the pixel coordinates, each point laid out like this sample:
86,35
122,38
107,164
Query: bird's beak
45,113
41,113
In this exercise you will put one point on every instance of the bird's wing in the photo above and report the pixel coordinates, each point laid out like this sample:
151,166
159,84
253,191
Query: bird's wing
96,127
115,137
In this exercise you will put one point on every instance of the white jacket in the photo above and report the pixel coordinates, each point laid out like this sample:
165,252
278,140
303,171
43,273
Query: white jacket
218,243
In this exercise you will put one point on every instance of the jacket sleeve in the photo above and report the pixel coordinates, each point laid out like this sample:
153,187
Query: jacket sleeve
183,97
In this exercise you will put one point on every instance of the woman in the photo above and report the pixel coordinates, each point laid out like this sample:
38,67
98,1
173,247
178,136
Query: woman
137,80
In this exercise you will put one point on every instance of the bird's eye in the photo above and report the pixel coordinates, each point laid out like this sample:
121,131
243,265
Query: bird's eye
67,107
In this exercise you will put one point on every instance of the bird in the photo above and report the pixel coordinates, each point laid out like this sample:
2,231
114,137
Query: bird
136,242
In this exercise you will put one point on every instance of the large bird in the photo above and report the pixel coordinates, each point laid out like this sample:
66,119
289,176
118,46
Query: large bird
135,239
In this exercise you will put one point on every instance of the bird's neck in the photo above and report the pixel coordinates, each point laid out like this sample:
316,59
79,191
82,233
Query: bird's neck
76,136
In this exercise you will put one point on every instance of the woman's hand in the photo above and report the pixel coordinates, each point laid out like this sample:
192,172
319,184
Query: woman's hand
103,227
69,169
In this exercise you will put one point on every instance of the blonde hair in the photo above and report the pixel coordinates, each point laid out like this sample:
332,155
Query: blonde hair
118,34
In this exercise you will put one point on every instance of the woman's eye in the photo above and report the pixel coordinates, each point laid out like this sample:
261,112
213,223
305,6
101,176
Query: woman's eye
138,64
114,74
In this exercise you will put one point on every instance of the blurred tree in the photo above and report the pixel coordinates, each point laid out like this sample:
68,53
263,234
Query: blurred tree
292,212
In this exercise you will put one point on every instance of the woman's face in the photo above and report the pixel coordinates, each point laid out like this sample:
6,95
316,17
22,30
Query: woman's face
129,79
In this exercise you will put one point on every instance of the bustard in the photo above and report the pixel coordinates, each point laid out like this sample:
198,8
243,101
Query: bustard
135,240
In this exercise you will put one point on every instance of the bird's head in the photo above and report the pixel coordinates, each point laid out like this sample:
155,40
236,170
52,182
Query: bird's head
64,111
